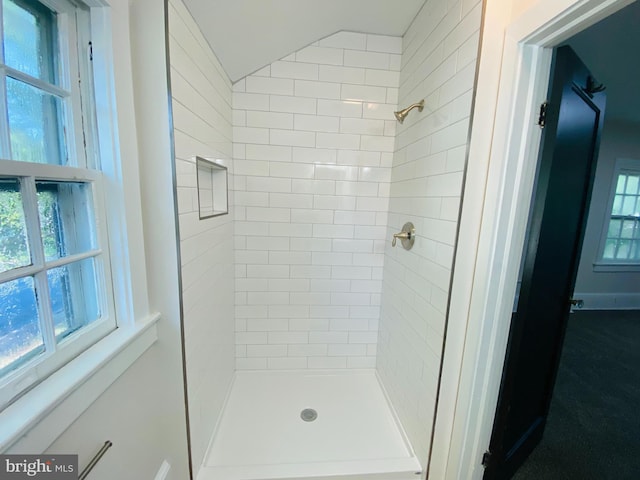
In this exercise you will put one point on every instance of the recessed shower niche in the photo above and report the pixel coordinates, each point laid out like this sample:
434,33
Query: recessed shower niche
212,188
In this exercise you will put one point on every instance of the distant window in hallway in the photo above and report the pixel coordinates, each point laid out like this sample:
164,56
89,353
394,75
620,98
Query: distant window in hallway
622,241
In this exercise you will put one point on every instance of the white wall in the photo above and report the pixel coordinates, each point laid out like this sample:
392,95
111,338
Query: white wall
201,94
438,64
602,289
142,412
313,136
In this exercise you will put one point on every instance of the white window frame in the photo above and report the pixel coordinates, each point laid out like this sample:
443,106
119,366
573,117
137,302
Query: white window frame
77,114
37,418
43,365
622,165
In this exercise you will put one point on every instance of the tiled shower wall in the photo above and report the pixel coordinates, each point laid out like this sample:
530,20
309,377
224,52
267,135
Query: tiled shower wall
201,94
438,64
313,142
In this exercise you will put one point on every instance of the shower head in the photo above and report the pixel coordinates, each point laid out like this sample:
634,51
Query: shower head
401,114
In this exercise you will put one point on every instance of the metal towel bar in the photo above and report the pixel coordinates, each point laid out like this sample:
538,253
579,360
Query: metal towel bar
107,445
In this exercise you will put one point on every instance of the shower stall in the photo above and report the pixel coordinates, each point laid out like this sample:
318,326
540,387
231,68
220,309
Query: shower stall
313,317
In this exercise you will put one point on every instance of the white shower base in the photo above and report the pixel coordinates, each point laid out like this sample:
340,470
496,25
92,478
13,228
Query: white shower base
262,437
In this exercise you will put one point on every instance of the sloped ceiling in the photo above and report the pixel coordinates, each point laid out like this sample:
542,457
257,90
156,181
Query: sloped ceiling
246,35
610,50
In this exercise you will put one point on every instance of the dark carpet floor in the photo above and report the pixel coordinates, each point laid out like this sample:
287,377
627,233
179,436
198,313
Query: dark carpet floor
593,429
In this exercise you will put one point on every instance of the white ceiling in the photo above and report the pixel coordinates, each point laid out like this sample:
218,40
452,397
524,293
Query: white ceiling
610,49
246,35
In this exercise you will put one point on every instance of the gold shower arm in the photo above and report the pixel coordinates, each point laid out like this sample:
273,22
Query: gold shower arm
403,113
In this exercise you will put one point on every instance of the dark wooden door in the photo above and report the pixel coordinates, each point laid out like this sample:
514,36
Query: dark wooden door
550,261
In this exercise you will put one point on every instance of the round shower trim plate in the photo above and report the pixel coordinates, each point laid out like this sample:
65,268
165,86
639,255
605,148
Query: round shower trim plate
308,414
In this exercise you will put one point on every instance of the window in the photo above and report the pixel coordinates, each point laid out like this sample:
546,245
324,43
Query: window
622,236
55,292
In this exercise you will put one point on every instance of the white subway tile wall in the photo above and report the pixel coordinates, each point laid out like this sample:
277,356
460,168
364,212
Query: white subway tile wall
202,118
313,146
438,64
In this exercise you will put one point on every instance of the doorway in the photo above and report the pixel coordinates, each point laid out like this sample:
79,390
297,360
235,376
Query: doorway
591,430
572,119
494,217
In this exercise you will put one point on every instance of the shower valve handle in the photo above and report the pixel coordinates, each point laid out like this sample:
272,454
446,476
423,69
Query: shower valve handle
407,236
400,236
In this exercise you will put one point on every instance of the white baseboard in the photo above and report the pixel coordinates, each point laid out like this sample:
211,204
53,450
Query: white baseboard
163,471
608,301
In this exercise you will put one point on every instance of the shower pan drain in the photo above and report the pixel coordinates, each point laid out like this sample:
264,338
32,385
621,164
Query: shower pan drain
308,415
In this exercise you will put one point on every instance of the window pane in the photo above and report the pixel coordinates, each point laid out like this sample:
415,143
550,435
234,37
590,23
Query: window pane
632,184
66,218
635,250
30,38
610,248
614,228
627,229
20,336
617,205
628,205
34,124
622,181
74,298
624,246
14,248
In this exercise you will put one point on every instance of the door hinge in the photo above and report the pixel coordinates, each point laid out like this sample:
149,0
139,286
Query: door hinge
486,458
542,118
91,51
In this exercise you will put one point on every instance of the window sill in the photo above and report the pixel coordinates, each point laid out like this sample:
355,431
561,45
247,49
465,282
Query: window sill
616,267
32,423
